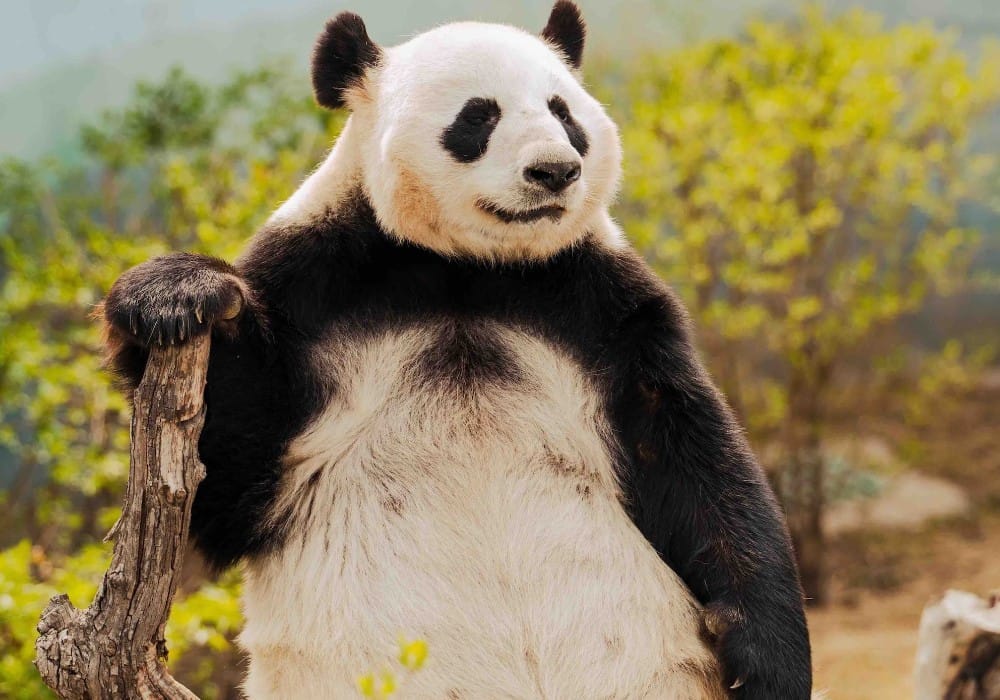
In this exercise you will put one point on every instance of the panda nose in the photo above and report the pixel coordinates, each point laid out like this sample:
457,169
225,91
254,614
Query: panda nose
555,177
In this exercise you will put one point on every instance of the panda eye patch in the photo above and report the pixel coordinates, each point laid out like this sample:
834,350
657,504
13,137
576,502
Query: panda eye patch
468,136
576,133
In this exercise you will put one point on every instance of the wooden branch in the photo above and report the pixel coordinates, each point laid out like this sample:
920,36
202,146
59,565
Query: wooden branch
958,653
115,648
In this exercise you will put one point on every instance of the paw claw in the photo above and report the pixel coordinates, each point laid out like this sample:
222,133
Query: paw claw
168,300
738,683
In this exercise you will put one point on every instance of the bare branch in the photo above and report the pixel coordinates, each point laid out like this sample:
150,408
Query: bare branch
115,648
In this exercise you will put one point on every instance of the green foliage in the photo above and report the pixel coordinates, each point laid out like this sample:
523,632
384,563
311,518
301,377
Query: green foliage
207,617
809,175
27,582
944,378
183,166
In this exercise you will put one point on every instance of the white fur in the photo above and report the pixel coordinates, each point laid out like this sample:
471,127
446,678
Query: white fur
486,522
328,187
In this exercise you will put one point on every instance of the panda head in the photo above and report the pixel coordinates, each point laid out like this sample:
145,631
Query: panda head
475,139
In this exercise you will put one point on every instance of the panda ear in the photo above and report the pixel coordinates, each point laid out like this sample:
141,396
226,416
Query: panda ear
342,54
566,31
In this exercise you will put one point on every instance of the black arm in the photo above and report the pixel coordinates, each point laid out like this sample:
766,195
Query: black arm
698,495
168,300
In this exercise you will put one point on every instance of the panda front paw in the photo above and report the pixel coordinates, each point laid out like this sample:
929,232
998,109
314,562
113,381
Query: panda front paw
758,663
172,298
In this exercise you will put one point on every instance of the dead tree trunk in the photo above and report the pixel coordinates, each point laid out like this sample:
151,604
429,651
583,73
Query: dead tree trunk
115,648
958,654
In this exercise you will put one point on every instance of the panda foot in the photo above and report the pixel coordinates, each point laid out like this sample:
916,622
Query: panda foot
755,665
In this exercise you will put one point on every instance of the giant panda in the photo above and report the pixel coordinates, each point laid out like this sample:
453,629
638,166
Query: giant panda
446,399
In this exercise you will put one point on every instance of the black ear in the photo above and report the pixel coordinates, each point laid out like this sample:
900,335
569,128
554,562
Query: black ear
566,30
342,55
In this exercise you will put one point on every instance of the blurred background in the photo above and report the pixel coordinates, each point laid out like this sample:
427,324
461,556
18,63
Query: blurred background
819,182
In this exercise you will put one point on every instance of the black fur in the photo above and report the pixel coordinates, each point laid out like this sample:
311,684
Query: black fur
173,297
342,54
468,136
576,133
692,486
467,354
567,31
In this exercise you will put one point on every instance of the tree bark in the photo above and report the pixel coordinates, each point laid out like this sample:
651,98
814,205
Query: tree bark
115,648
958,654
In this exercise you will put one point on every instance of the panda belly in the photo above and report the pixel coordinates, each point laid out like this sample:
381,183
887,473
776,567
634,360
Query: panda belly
459,488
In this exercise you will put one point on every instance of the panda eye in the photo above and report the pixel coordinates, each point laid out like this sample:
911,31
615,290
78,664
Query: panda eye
480,112
478,118
560,110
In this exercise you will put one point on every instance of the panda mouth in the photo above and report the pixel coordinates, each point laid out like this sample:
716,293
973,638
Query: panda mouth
526,216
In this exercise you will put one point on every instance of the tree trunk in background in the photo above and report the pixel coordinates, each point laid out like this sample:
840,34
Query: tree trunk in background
115,648
807,526
803,483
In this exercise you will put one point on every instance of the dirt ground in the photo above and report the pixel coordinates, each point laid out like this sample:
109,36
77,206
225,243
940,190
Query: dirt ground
864,643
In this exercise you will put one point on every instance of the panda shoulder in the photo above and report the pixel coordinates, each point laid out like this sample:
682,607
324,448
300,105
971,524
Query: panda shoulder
632,286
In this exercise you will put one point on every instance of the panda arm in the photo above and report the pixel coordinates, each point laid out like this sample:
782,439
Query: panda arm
698,495
168,300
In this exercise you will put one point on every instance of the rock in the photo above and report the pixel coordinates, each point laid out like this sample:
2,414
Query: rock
907,501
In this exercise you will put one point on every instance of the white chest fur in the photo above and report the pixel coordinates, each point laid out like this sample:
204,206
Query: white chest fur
480,514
